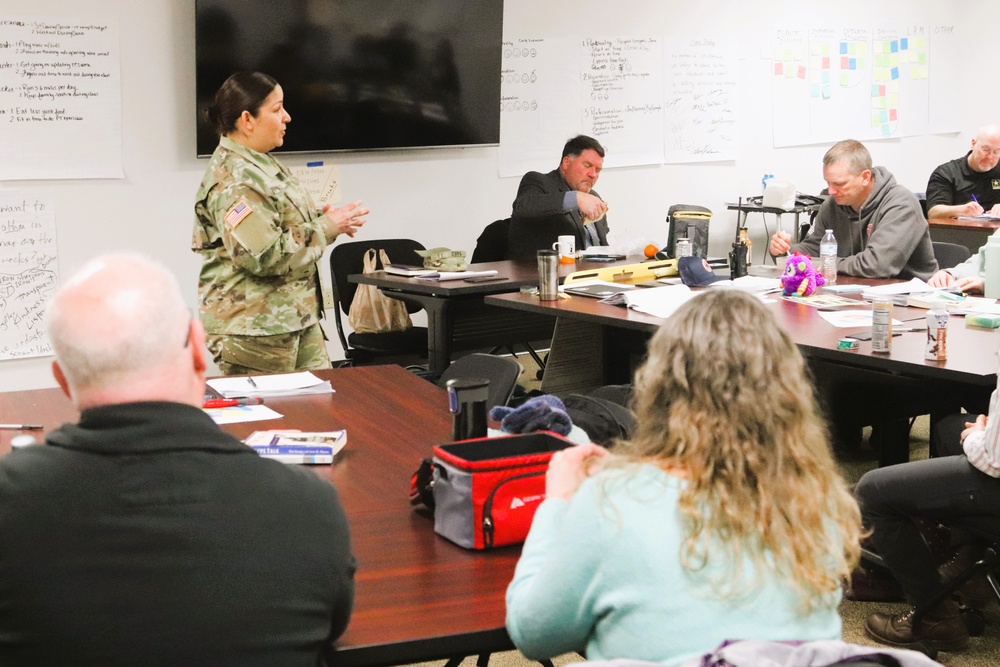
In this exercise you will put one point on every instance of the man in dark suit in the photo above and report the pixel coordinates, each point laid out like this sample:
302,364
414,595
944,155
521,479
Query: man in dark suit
560,202
144,534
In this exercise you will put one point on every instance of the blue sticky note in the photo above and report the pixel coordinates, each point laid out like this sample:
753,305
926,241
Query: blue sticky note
314,164
886,131
825,77
814,91
826,92
875,90
904,44
843,48
852,63
895,73
894,47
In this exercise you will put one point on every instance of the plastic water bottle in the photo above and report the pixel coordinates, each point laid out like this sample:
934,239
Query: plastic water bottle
828,257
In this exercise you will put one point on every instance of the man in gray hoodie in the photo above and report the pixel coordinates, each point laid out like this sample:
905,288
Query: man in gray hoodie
880,229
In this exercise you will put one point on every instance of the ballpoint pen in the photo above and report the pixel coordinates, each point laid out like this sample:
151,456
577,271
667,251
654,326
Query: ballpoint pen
251,382
21,427
230,402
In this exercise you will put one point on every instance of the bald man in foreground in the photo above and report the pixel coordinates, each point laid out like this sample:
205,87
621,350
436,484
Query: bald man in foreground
144,534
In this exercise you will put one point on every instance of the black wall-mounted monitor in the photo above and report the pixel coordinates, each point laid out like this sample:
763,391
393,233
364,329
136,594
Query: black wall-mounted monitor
360,74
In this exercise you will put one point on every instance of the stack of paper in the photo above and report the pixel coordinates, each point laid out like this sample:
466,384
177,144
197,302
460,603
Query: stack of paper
656,301
752,284
897,293
287,384
985,217
978,304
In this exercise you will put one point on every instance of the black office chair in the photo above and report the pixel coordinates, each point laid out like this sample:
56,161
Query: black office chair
491,246
403,347
502,372
922,198
949,255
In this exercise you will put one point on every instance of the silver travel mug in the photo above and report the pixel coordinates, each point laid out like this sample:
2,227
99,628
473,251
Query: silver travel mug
548,275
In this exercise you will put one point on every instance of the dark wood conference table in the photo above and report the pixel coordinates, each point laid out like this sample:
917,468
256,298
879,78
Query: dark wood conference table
458,318
970,233
419,597
972,353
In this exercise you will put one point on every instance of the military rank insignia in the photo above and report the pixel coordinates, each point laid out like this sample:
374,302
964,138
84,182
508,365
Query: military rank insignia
236,214
995,183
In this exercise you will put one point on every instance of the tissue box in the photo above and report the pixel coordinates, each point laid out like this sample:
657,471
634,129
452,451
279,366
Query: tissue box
779,194
984,320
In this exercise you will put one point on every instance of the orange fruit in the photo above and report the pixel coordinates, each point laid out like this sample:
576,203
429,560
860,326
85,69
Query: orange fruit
650,251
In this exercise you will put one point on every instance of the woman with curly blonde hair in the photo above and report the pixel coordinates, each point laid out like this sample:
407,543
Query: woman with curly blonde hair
723,518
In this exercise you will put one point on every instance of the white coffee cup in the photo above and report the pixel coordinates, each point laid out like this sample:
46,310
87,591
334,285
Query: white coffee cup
566,247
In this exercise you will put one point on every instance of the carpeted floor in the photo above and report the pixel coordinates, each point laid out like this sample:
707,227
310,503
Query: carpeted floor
982,651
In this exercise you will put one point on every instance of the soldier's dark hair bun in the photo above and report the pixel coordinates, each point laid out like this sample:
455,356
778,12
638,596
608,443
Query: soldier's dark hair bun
243,91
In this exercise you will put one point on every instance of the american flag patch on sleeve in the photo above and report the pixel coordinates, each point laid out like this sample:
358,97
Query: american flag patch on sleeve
237,213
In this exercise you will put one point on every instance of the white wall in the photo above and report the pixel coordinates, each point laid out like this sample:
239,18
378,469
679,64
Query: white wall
445,197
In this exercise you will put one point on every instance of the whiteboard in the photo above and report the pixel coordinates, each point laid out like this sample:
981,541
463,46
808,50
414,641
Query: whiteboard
446,197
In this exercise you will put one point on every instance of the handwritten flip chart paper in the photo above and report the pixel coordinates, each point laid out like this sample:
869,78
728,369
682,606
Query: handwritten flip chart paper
322,180
539,103
700,111
622,98
648,100
864,82
60,99
28,272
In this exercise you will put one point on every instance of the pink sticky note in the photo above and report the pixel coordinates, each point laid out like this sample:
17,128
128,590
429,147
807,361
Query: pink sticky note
826,62
845,63
802,71
779,68
892,114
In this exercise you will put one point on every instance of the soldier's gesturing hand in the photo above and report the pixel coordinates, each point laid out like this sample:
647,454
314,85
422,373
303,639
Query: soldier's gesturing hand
343,220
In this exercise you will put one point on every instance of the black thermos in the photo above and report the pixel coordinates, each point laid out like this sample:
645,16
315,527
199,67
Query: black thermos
467,403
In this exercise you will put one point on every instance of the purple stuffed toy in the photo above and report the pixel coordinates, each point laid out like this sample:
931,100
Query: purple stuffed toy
800,277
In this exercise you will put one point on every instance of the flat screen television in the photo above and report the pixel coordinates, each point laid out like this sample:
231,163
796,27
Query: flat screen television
360,74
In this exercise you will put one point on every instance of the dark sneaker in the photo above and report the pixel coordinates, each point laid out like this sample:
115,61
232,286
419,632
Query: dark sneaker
943,630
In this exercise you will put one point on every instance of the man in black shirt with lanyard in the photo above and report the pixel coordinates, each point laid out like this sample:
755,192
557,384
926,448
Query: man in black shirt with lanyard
969,185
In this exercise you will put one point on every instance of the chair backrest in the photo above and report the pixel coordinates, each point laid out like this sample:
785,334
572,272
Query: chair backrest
491,246
922,198
950,254
502,372
349,258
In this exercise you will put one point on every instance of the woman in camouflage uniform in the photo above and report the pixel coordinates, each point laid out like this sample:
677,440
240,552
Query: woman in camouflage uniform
260,236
